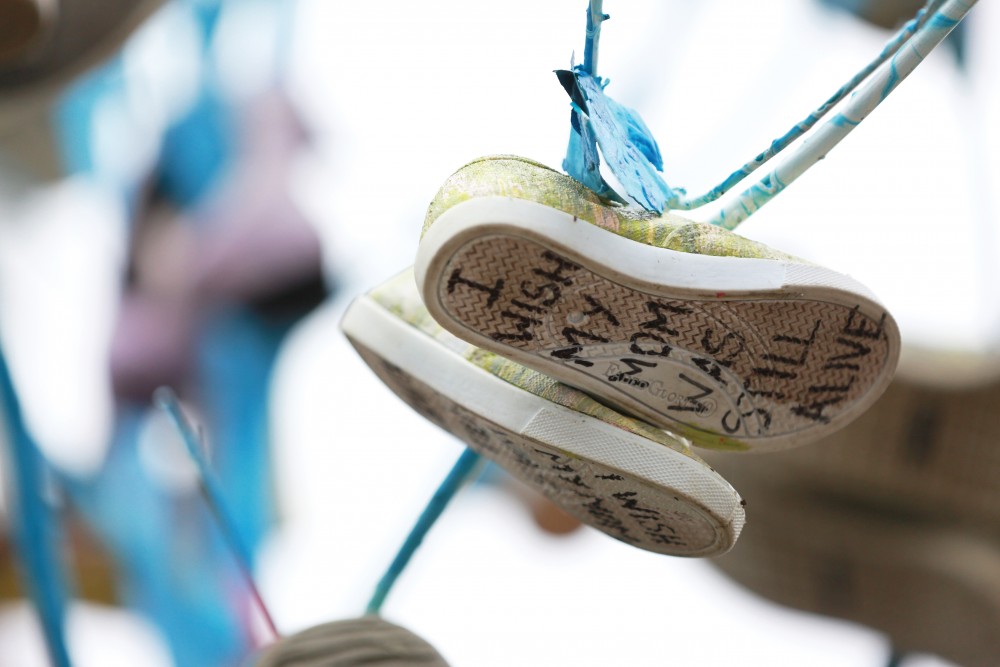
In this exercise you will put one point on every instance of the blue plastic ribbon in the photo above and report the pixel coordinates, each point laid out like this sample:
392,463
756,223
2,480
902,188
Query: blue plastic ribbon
625,141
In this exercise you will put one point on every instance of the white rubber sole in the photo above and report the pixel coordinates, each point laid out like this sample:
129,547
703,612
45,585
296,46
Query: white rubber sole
735,353
631,488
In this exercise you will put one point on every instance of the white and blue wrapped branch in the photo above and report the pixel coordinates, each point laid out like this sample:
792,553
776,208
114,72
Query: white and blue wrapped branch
601,127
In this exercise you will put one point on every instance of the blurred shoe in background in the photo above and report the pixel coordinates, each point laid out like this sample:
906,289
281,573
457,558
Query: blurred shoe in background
892,522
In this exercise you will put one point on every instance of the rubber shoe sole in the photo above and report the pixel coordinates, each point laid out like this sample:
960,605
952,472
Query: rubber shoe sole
744,349
625,478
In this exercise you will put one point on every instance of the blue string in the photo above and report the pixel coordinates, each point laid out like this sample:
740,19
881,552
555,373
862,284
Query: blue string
599,121
167,401
779,144
460,472
33,523
595,16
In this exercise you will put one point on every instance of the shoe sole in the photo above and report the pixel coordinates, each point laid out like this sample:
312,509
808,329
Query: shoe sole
734,353
632,488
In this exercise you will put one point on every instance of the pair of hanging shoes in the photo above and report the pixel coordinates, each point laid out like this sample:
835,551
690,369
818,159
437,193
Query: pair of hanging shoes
586,346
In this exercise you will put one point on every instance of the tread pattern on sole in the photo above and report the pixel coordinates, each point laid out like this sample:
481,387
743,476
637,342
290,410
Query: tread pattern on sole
746,368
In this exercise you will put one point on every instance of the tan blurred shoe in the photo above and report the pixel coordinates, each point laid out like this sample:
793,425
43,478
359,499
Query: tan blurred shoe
892,522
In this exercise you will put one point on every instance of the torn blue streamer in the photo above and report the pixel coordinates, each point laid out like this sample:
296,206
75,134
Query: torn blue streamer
582,159
35,530
625,141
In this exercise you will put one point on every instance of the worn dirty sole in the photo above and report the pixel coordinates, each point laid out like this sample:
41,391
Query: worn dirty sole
634,489
735,353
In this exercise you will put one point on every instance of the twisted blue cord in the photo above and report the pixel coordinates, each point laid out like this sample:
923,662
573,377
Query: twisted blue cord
33,523
460,472
599,121
595,16
891,47
167,401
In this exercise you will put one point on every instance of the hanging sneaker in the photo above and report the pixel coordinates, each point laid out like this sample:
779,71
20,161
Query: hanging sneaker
369,640
685,325
634,482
